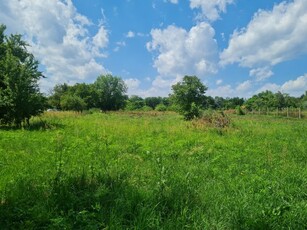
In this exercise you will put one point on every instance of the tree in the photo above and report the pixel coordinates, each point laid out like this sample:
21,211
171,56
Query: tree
86,92
110,92
20,98
135,103
73,102
153,101
58,92
189,96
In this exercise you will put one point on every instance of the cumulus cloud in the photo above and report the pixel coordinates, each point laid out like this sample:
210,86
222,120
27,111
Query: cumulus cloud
182,52
221,91
133,85
295,87
261,73
244,86
270,38
179,52
59,38
243,89
211,9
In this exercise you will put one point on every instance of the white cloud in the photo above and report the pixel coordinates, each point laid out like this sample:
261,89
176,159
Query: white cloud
173,1
182,52
243,89
130,34
268,86
295,87
100,40
219,81
119,45
270,38
261,73
133,85
221,91
244,86
159,86
211,9
59,38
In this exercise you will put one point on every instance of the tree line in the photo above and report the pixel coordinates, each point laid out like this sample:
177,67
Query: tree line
109,93
20,97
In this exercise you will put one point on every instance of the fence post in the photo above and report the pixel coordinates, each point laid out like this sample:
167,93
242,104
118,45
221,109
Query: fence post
287,111
299,113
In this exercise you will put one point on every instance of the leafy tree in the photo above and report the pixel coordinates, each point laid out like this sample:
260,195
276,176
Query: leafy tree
20,98
303,100
219,102
135,103
279,100
110,92
86,92
73,102
268,100
232,103
189,96
209,103
58,92
153,101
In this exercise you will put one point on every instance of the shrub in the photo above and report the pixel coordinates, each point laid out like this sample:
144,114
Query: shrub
194,112
239,111
161,107
146,108
216,119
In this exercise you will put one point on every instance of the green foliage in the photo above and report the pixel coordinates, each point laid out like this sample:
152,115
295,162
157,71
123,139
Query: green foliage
153,101
59,90
146,108
20,98
161,107
72,102
189,96
135,103
110,92
269,100
193,112
239,111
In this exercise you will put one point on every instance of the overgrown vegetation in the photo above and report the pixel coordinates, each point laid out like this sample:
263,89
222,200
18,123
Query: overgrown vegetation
150,170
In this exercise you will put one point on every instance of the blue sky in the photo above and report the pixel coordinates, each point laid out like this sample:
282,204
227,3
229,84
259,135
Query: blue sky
236,47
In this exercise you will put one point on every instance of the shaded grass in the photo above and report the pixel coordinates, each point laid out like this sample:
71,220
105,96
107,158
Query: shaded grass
139,171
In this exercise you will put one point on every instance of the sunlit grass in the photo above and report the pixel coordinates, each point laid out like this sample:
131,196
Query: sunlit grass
153,171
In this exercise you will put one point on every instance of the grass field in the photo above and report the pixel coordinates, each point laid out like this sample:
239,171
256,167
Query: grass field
153,171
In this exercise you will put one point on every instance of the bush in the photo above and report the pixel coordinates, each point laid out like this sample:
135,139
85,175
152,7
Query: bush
216,119
94,110
146,108
239,111
161,107
194,112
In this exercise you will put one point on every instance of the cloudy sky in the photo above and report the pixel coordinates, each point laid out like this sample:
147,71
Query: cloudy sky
237,47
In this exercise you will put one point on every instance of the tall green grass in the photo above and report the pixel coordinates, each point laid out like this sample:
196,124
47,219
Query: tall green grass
153,171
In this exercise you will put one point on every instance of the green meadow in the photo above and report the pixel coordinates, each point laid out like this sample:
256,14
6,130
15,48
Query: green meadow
153,171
